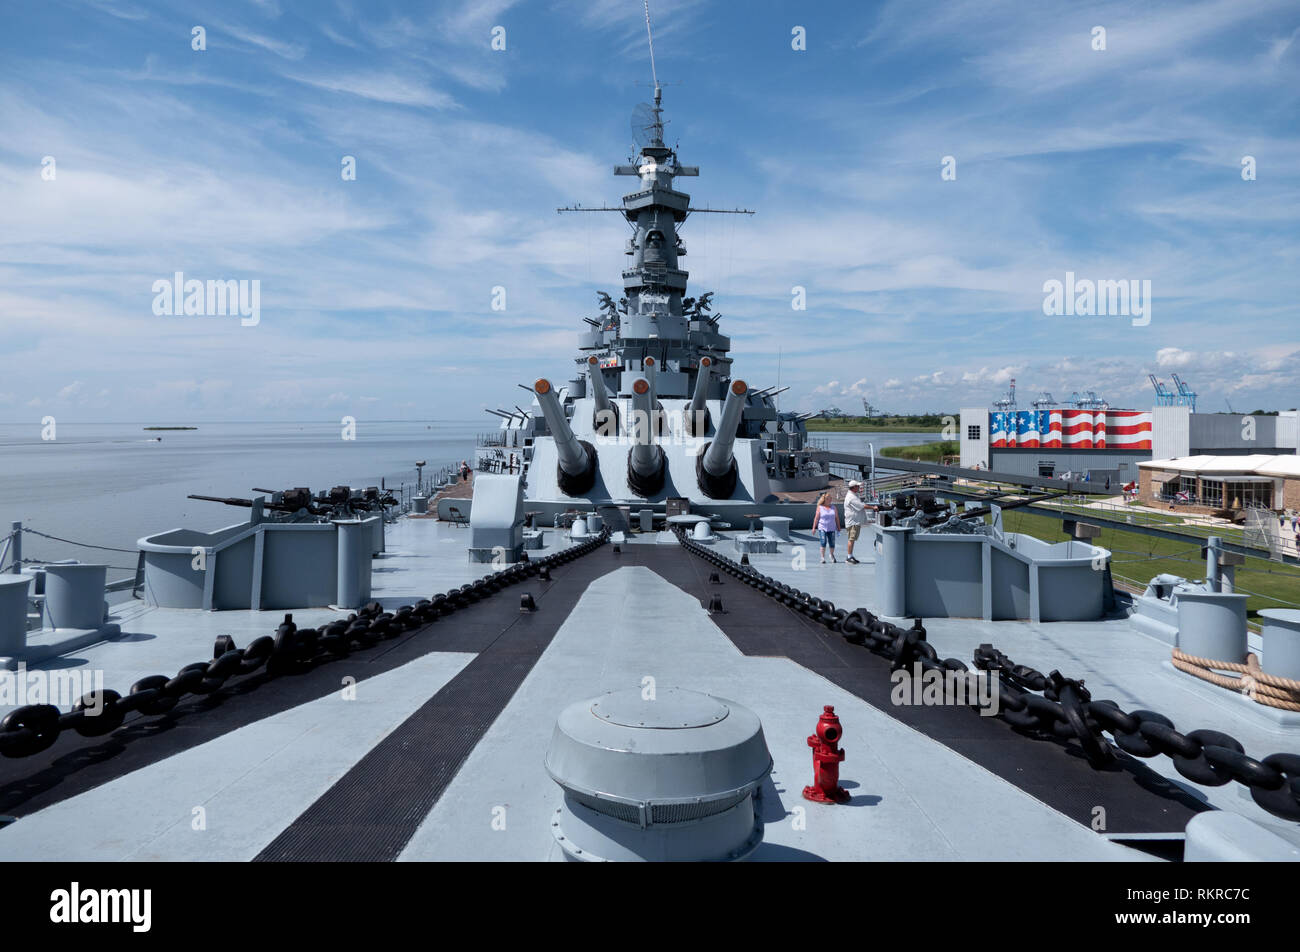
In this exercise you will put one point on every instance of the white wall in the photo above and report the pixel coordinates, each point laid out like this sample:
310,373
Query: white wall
1170,432
974,451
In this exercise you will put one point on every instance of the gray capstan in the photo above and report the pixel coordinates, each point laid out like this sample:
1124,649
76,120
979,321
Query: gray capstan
658,775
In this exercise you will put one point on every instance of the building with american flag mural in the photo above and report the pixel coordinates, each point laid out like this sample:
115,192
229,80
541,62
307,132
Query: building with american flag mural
1106,443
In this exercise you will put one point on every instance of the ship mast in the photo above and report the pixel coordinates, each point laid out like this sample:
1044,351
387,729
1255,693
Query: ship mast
654,319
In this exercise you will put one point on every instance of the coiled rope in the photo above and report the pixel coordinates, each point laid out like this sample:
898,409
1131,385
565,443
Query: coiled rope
1262,688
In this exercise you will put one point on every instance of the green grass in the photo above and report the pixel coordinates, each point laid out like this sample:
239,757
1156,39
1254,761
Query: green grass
1172,522
930,452
1138,557
926,423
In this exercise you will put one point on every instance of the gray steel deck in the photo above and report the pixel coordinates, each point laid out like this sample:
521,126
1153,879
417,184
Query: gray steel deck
914,798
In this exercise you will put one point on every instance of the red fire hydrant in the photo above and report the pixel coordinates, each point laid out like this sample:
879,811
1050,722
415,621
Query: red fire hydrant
827,757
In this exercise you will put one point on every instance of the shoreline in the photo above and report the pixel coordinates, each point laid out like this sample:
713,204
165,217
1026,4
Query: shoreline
872,429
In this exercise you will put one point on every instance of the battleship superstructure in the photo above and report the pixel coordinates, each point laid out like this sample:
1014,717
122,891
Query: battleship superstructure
655,411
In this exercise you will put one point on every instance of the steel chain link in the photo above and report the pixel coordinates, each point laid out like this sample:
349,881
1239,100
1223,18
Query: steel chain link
1050,704
33,728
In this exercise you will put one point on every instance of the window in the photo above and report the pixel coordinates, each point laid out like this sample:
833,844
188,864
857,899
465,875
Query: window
973,432
1046,470
1250,494
1212,492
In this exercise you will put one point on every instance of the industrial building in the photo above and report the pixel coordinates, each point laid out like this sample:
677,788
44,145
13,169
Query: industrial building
1088,438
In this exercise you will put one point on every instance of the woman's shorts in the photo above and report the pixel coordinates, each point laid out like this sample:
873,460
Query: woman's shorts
827,537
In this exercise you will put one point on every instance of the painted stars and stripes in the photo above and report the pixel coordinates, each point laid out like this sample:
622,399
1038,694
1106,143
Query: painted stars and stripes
1070,428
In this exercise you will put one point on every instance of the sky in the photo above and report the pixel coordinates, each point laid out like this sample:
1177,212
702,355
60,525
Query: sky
127,155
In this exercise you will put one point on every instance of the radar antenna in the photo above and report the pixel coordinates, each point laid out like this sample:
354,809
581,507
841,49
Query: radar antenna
647,127
647,120
650,37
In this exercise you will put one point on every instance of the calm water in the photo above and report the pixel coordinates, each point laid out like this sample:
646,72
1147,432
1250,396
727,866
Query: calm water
109,484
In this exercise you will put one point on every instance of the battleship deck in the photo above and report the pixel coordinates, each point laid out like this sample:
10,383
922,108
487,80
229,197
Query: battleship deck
450,723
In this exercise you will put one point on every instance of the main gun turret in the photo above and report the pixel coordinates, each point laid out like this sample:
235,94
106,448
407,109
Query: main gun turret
715,468
605,419
576,471
646,463
697,414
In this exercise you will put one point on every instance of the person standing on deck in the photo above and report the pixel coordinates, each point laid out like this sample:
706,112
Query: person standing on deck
855,517
827,522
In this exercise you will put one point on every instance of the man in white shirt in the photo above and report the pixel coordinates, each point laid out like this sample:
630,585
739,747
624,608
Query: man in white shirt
855,516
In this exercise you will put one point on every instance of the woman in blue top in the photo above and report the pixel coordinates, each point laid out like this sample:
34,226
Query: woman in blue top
827,523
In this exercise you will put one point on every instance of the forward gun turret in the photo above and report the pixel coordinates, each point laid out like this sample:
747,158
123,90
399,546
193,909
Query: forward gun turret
697,414
715,469
605,419
646,464
576,471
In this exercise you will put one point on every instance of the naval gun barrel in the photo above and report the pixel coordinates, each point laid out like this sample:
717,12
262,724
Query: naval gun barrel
290,505
605,419
576,471
224,500
646,463
697,414
657,417
715,468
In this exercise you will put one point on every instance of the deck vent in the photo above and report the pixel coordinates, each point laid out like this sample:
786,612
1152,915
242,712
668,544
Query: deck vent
672,778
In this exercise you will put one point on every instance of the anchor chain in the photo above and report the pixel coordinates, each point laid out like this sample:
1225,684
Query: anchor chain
1048,705
33,728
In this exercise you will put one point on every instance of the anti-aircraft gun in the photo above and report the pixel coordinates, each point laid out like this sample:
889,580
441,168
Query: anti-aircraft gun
290,501
339,502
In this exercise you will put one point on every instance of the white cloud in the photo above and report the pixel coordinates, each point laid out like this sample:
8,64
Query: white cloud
381,87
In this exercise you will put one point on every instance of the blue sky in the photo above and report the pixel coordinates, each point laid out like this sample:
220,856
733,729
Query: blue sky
923,294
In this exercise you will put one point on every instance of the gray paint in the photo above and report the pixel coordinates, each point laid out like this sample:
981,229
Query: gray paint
891,568
664,777
1219,837
1280,631
13,614
1237,434
1212,625
933,574
1010,587
263,776
354,539
497,518
74,596
230,574
1119,465
298,569
262,566
776,527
